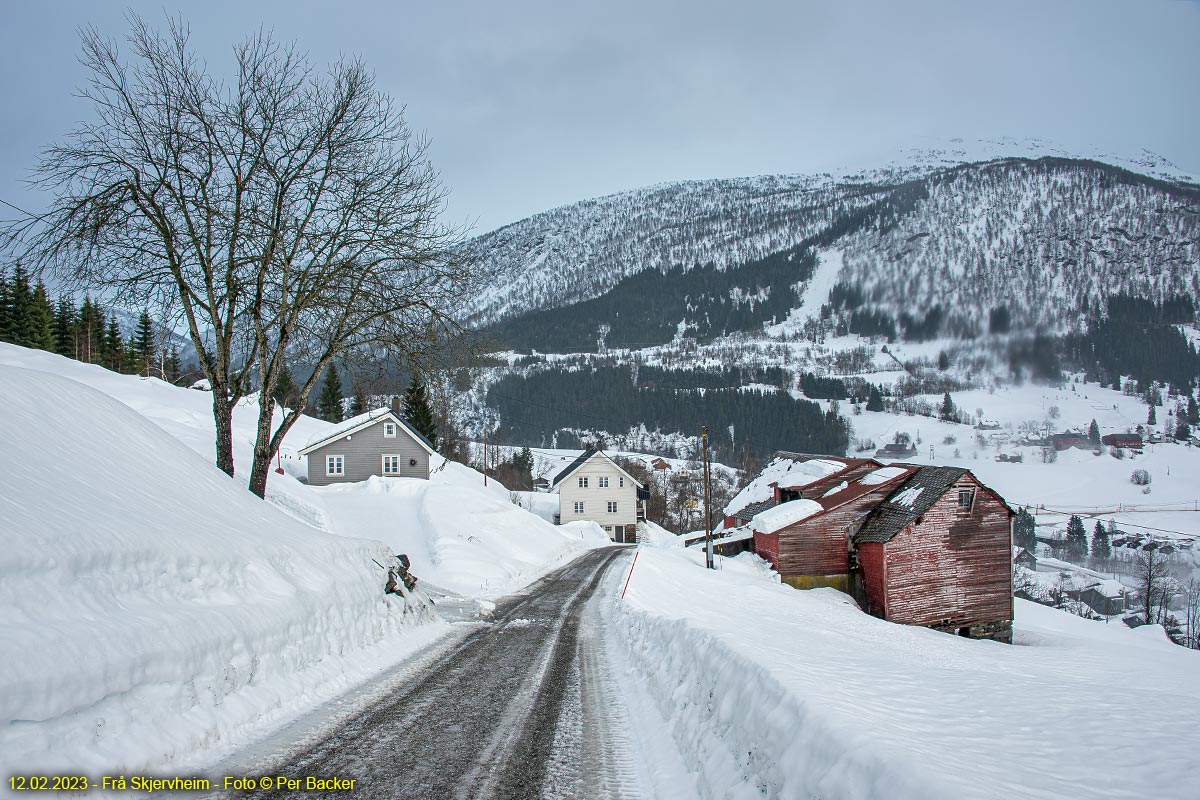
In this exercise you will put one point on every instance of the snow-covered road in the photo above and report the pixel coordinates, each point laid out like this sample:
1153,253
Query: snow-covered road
530,705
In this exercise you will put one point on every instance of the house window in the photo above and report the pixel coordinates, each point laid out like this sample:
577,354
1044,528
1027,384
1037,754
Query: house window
335,465
391,465
602,481
966,497
621,481
612,506
583,483
578,506
389,430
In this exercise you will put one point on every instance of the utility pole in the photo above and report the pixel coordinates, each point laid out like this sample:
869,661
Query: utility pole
708,545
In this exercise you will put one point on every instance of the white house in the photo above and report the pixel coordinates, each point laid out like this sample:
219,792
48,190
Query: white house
595,488
378,442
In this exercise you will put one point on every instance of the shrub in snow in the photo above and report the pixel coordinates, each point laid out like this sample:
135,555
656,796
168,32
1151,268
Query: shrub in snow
1117,453
1140,477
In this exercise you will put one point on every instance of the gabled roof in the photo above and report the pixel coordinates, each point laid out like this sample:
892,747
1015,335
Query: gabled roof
583,458
362,422
911,499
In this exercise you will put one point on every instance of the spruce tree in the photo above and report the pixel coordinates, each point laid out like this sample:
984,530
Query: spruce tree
1101,547
1094,434
329,401
1025,530
417,411
41,320
20,308
1077,544
358,401
5,307
144,342
1193,410
174,369
286,393
88,332
948,412
66,318
875,401
114,346
1151,417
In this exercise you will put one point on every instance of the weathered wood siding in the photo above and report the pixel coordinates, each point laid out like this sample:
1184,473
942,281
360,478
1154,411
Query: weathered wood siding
871,566
363,452
817,546
766,545
954,568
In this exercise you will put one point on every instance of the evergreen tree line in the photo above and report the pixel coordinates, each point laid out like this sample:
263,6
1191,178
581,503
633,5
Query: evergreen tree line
332,405
540,408
1137,338
29,317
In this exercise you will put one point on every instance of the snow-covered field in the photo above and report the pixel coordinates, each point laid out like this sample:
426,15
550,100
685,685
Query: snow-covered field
773,692
154,613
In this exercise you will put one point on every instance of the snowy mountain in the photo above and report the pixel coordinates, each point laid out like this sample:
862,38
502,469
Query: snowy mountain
1045,238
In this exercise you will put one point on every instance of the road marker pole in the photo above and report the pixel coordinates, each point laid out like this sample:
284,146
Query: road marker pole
627,579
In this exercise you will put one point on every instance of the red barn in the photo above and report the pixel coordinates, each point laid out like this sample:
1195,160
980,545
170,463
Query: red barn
807,541
937,553
1129,441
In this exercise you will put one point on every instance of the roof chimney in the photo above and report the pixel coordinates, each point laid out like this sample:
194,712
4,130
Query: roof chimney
396,405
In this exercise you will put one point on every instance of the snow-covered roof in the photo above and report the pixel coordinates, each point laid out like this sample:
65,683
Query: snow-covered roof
882,475
836,489
784,514
786,472
806,472
354,424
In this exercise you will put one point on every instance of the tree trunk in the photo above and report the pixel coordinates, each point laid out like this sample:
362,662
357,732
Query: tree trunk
260,468
223,420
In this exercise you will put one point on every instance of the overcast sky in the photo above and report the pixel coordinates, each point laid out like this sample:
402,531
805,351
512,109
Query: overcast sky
535,104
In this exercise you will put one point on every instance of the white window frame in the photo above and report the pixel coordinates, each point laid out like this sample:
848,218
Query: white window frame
602,482
579,507
621,481
583,482
612,506
385,464
389,426
340,463
971,500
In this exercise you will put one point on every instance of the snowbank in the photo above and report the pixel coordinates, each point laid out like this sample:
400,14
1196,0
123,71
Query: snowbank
773,692
150,607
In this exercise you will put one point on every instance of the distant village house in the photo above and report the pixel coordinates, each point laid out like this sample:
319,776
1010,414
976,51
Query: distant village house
594,487
378,443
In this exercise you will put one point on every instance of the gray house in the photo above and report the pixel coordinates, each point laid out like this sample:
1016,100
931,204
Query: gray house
378,442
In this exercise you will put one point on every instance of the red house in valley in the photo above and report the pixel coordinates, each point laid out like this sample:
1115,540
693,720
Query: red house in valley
937,553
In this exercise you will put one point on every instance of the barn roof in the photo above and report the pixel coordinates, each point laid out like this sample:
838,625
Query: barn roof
749,511
910,500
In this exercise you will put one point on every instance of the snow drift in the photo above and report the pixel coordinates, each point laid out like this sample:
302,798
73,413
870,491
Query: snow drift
773,692
151,607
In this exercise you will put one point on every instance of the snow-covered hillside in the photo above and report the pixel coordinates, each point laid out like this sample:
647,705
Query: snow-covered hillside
153,612
773,692
1044,236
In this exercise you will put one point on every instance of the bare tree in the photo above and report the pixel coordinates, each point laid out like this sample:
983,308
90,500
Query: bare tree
1152,574
291,213
1191,597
